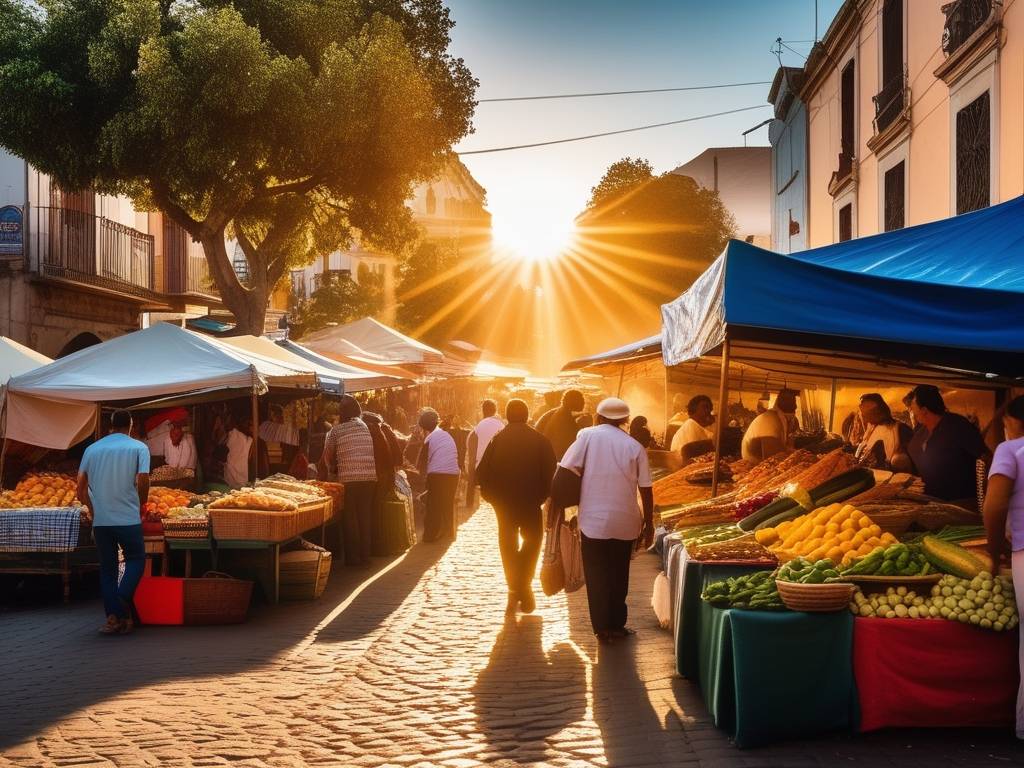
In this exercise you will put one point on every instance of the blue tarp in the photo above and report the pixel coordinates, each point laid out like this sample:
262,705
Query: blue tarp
982,249
763,297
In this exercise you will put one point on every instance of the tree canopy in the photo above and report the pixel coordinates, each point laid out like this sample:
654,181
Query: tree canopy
286,124
621,176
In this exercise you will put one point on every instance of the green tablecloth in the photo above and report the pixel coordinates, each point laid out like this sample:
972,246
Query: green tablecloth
768,676
690,578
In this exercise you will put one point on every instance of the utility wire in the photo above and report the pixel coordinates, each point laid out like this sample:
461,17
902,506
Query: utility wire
610,133
621,93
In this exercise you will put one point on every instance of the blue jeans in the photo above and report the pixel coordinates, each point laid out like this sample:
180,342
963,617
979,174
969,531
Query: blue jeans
117,598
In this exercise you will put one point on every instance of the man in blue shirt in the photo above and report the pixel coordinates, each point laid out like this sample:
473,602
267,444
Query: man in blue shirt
113,481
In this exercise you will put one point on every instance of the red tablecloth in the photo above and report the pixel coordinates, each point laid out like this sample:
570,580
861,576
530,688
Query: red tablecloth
915,673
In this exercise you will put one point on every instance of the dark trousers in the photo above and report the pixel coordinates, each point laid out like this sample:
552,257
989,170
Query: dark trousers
357,521
606,568
117,598
519,562
440,519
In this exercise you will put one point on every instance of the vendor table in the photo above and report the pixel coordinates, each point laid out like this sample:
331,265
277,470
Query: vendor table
79,560
687,580
766,676
273,589
914,673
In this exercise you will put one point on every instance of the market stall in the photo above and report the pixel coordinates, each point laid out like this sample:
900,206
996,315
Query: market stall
836,534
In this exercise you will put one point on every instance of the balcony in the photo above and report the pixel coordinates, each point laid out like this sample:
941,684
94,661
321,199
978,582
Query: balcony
186,271
77,246
971,31
844,175
892,112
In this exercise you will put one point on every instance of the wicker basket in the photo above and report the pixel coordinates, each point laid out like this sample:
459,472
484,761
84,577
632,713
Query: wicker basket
892,518
304,573
815,598
255,525
216,599
186,528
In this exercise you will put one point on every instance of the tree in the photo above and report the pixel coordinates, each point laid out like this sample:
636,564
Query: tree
339,299
286,125
657,233
621,176
430,277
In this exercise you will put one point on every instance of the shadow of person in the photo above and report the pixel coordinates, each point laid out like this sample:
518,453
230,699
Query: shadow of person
524,695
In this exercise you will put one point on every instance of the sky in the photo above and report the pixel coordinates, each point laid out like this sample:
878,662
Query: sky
539,47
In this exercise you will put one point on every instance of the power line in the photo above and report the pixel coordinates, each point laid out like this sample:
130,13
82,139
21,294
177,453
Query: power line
610,133
622,93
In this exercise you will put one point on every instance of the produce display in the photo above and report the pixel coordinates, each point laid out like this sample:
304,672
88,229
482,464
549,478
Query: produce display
258,500
894,560
804,571
167,473
839,533
702,472
952,558
186,513
752,591
748,506
41,489
984,601
709,534
794,499
161,501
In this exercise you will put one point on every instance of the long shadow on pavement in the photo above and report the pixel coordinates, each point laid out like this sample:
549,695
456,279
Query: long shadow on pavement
55,663
524,695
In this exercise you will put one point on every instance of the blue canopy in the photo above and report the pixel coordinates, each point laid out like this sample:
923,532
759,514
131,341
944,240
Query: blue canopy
981,249
789,314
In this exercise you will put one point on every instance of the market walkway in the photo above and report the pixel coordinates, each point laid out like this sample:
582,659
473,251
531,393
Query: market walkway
409,666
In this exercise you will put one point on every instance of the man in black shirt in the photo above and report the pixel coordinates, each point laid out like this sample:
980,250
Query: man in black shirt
515,474
559,425
945,448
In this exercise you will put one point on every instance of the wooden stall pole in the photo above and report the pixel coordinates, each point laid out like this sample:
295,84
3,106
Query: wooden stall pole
254,453
832,408
723,396
622,374
98,433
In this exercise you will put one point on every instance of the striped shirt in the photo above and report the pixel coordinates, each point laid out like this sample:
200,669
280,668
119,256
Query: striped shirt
352,448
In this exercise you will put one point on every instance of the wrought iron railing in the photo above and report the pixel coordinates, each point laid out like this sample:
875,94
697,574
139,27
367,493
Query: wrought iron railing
186,270
80,246
963,19
890,102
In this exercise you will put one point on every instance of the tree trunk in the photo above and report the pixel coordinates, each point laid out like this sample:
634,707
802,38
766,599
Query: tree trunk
248,305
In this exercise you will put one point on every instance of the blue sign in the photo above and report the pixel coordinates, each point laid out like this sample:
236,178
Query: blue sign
11,230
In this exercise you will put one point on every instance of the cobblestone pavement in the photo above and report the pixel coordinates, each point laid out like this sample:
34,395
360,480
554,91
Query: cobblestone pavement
409,664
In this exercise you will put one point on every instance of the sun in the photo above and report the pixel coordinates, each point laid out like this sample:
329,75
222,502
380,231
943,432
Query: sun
533,236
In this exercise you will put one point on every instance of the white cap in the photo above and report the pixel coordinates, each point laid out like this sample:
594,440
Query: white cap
613,408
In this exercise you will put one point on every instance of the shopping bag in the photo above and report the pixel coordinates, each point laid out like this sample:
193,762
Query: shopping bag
552,574
571,546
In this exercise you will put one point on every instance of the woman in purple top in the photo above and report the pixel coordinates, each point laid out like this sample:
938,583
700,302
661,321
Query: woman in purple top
1004,513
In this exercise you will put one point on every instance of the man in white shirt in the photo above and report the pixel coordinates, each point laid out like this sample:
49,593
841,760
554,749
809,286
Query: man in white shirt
180,449
439,463
772,431
695,436
236,467
614,466
479,439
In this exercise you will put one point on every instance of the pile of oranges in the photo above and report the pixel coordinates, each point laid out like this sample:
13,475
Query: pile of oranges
41,489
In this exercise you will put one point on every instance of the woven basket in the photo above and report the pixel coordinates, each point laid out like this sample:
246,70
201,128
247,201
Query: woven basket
216,599
255,525
892,518
815,598
304,573
186,528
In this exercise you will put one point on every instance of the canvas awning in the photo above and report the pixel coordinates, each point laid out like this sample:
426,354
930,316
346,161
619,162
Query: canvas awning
55,406
16,359
374,340
354,379
264,348
644,348
790,316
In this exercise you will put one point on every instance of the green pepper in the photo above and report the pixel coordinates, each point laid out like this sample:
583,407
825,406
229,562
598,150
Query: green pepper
888,568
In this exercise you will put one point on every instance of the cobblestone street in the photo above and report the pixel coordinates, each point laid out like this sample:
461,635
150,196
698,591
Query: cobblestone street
410,664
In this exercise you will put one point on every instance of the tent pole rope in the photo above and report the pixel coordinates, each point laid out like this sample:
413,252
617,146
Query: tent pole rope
723,394
832,407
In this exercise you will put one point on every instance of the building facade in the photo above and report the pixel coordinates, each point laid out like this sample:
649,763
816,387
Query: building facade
787,134
77,268
450,207
915,113
742,178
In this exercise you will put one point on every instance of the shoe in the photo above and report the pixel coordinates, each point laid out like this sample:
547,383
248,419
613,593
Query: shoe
527,601
112,627
127,626
624,632
510,606
604,637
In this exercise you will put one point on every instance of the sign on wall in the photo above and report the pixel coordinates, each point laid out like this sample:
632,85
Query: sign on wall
11,231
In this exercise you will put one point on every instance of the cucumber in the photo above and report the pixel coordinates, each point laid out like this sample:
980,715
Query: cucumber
781,504
842,487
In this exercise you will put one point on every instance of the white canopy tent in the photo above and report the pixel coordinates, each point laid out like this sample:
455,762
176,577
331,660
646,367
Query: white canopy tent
16,359
57,405
374,340
352,378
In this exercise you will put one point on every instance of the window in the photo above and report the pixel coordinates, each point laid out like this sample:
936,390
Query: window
846,223
895,181
973,155
889,101
847,121
963,19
